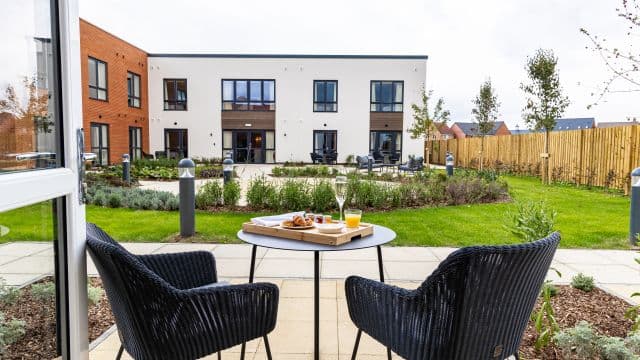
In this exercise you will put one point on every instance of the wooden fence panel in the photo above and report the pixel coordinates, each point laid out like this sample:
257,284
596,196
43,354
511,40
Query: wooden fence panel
599,157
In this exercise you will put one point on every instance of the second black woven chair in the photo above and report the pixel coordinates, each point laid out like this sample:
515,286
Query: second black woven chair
475,305
171,306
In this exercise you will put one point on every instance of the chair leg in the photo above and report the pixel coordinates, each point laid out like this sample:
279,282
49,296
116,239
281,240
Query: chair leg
119,356
355,347
242,351
219,355
388,354
267,347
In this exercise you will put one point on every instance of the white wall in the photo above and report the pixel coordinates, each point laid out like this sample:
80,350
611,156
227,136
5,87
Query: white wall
295,119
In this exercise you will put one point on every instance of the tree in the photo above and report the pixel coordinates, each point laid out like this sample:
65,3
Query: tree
36,108
485,113
545,101
623,63
424,122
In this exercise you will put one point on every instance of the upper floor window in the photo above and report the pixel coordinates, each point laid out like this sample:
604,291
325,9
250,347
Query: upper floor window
133,89
175,94
325,95
386,96
97,79
249,95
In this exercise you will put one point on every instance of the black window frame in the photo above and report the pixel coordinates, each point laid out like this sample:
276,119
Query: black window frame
175,102
325,96
234,102
131,95
379,104
185,146
325,132
132,145
97,87
373,147
98,149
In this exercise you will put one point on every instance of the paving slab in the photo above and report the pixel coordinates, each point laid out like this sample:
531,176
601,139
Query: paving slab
25,248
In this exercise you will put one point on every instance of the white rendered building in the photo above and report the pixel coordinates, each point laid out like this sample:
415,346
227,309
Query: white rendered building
277,108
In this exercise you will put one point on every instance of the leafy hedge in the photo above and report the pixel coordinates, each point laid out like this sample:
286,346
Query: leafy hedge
212,194
304,171
133,198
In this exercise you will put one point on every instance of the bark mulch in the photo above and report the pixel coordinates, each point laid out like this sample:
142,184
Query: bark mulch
603,311
39,341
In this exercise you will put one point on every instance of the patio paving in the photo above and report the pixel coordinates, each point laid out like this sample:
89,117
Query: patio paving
614,270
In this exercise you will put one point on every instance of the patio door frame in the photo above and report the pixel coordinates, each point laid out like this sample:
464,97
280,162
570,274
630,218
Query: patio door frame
29,187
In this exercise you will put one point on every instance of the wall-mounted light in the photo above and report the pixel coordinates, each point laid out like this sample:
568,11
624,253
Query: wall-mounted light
248,125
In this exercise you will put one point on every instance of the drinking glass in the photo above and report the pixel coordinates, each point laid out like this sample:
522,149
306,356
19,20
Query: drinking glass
352,217
341,191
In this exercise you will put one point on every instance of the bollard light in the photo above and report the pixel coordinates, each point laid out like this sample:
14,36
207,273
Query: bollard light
449,164
187,174
227,168
126,169
634,218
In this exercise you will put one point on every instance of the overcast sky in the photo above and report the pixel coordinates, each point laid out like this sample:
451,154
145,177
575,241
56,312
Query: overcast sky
466,41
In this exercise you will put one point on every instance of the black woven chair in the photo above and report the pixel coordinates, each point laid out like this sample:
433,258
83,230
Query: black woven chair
171,306
475,305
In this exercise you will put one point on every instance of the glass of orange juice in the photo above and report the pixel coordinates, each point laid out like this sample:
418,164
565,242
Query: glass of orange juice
352,217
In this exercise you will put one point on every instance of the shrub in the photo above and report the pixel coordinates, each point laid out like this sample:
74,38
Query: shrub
580,338
323,196
294,196
633,342
532,221
210,194
43,292
8,294
10,331
132,198
115,200
614,348
261,194
172,204
552,289
582,282
231,193
94,294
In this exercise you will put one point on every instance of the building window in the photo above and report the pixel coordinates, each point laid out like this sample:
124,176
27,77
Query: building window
100,143
176,143
135,143
386,145
325,142
325,96
133,89
386,96
248,95
97,79
175,94
250,146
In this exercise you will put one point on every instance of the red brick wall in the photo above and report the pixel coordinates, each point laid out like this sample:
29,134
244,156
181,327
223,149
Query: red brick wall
503,130
457,132
120,57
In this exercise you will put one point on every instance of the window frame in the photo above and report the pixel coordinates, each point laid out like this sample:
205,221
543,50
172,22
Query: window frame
234,101
325,96
100,147
185,146
97,77
393,96
131,96
324,132
377,140
175,102
139,147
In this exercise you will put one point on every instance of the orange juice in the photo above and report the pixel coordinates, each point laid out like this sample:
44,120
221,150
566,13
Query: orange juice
352,220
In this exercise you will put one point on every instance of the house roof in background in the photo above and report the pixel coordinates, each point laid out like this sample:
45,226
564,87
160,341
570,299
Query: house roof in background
616,124
520,132
444,129
574,124
469,128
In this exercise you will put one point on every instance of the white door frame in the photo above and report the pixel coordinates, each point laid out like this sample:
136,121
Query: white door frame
30,187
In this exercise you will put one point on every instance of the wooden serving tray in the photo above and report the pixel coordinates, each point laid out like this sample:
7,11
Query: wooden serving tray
310,235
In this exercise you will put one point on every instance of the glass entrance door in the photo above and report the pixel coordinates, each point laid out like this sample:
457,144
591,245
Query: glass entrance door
176,143
249,147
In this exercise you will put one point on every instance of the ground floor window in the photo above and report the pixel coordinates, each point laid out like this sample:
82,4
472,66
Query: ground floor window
250,146
325,141
386,145
135,143
176,144
100,143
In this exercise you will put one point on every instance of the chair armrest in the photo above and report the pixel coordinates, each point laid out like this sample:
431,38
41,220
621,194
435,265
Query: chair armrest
379,309
183,270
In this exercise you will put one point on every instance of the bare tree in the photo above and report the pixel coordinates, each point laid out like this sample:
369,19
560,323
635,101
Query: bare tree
485,113
424,121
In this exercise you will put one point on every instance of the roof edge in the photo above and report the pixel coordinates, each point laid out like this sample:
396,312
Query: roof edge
290,56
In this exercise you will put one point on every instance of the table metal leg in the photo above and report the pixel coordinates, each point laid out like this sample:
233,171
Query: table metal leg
316,305
251,273
381,269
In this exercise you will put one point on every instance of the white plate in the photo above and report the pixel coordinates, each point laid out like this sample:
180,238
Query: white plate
330,228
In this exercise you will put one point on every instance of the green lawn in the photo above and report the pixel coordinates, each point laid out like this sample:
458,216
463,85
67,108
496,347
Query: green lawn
586,218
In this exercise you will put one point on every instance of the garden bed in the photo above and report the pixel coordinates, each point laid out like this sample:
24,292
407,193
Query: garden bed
39,340
603,311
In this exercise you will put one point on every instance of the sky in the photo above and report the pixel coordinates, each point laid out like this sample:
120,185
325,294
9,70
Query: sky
467,41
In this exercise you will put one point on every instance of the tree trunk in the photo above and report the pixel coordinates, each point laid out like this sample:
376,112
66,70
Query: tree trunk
545,162
481,152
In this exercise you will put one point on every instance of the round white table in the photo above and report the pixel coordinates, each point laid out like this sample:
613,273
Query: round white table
381,235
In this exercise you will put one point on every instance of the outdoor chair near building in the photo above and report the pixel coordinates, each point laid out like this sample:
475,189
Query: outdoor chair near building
415,163
328,157
171,306
362,163
475,305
